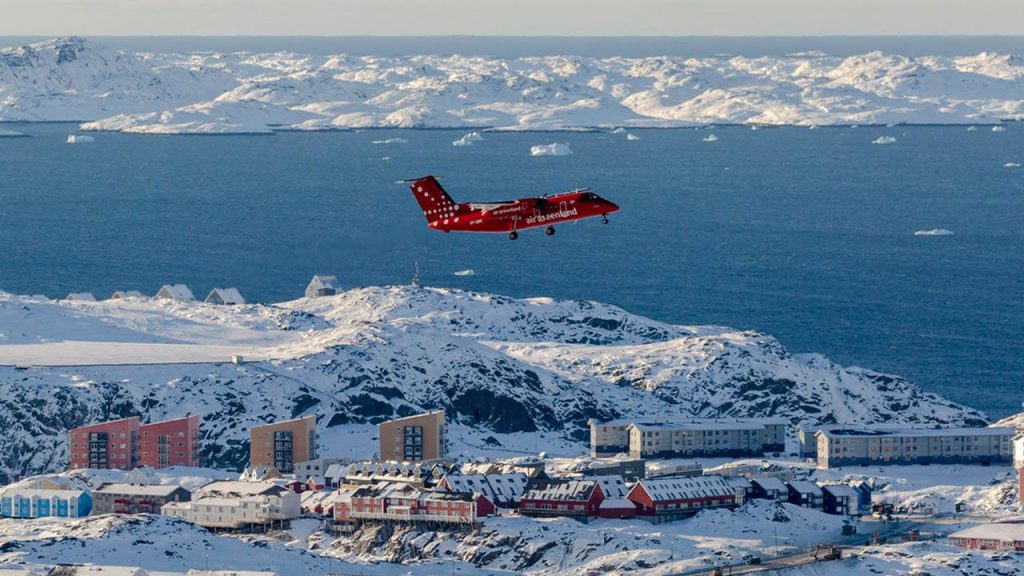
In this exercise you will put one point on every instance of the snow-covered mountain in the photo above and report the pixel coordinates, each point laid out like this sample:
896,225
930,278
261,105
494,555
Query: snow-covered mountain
204,92
514,375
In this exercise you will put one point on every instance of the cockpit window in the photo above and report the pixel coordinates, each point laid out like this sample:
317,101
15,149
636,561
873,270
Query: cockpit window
588,196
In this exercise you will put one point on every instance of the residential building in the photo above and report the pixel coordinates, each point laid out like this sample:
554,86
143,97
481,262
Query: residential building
804,493
579,499
122,294
534,470
372,472
234,504
1018,465
504,490
29,502
321,285
770,488
868,445
321,467
628,468
224,296
674,498
80,297
864,495
401,502
127,443
169,443
999,536
282,444
839,499
175,292
743,487
652,438
136,498
413,438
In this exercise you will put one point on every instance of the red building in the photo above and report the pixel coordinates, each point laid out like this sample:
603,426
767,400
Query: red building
126,443
673,498
579,499
170,443
407,503
1002,536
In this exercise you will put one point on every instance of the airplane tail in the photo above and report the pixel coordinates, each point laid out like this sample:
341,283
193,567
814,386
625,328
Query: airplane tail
435,202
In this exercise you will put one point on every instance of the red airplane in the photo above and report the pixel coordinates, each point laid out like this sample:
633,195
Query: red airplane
510,216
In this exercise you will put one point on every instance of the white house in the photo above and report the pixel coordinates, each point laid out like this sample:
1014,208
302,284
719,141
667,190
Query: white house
321,285
234,504
81,297
121,294
227,296
175,292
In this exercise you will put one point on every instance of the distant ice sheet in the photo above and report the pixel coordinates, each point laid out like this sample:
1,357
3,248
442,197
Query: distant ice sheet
884,140
468,139
934,232
466,272
553,149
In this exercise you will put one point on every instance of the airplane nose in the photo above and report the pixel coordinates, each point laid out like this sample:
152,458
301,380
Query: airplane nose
611,207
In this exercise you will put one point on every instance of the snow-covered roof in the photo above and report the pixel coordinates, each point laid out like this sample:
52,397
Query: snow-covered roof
227,295
324,280
336,470
718,423
1001,531
769,483
738,482
915,432
176,292
198,572
238,488
81,297
617,504
496,487
698,426
96,570
840,490
687,488
566,491
139,490
805,487
612,486
127,294
40,492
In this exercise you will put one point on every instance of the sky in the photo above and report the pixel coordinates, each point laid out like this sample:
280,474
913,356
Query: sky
517,17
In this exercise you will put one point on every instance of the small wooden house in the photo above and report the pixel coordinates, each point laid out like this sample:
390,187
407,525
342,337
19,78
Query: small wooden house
225,296
321,285
175,292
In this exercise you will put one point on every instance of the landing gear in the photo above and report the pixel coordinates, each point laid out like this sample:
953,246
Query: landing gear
513,235
604,218
550,230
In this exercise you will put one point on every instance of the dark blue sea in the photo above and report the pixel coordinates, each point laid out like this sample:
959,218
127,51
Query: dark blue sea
804,234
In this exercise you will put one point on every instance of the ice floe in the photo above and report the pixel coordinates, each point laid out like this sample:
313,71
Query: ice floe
999,129
934,232
466,272
884,140
468,139
391,141
710,138
553,149
632,137
1011,165
79,139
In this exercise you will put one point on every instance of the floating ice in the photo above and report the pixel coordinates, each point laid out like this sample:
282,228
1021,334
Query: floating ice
999,129
79,139
632,137
972,128
391,141
468,139
9,133
812,127
934,232
466,272
1011,165
884,140
553,149
619,130
711,138
755,127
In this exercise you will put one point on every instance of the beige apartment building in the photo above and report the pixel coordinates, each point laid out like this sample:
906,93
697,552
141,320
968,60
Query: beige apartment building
867,445
283,444
413,438
687,437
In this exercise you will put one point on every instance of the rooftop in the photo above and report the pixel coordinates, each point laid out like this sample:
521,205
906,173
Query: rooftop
690,420
139,490
917,432
1002,531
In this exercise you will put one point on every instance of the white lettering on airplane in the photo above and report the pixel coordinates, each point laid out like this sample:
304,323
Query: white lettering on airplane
551,216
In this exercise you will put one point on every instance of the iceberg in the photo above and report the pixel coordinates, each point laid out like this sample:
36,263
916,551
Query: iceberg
79,139
553,149
466,272
468,139
619,130
711,138
972,128
1011,165
934,232
632,137
391,141
999,129
884,140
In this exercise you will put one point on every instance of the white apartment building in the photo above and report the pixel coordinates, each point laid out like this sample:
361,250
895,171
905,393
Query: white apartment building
867,445
232,505
643,438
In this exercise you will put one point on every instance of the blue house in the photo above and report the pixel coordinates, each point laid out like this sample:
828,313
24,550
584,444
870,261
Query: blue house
43,503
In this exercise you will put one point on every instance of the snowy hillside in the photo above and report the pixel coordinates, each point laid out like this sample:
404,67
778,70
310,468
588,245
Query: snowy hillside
204,92
520,375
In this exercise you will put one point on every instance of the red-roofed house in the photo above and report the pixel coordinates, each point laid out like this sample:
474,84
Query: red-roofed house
674,498
579,499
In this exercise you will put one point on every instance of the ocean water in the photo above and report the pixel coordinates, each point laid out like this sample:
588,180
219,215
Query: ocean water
807,235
